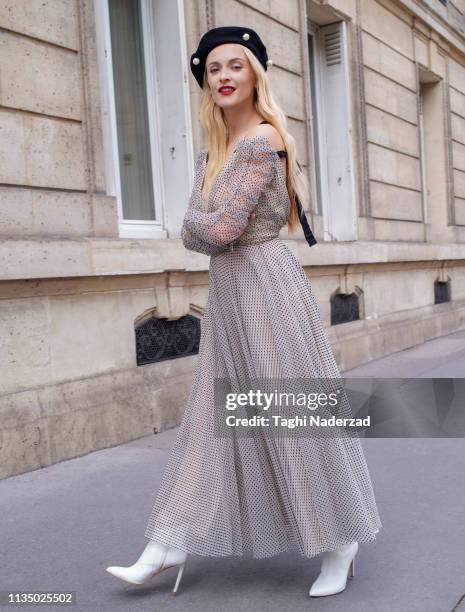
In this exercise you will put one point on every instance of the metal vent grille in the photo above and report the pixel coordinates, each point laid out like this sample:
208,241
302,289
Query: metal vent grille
160,339
344,308
333,48
441,291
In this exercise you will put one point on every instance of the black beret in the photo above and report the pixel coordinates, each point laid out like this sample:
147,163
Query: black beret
227,34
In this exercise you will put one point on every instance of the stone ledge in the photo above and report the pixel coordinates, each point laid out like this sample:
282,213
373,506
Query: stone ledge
26,258
359,342
45,425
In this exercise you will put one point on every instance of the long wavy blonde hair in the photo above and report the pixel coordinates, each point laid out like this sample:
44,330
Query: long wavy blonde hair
211,117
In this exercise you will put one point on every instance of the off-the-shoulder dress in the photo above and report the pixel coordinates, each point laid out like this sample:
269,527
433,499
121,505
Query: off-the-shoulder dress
259,494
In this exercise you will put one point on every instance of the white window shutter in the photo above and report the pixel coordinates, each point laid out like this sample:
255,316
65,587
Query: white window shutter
339,210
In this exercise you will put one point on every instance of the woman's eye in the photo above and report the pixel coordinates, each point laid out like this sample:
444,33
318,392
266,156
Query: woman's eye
215,69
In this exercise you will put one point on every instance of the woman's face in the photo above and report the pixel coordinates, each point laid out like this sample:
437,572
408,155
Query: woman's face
228,67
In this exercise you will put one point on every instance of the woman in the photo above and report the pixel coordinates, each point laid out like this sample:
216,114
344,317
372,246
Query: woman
253,495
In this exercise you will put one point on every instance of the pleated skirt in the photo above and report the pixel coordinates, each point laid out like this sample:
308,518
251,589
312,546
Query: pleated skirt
259,495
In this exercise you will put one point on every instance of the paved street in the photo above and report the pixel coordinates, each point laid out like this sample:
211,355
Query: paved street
62,525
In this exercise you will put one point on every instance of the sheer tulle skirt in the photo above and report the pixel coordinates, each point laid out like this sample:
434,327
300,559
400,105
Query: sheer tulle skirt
260,495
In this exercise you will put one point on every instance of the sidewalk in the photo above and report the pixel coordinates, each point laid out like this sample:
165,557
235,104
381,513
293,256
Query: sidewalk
62,525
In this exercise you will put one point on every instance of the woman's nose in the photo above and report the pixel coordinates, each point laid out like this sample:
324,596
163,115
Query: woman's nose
224,75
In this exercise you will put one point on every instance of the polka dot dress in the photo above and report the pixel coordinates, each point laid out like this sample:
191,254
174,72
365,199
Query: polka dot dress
256,495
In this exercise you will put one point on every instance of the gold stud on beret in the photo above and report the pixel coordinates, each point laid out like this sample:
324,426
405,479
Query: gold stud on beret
196,61
246,36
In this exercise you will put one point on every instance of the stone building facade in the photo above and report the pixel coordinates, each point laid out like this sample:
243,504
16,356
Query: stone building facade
98,134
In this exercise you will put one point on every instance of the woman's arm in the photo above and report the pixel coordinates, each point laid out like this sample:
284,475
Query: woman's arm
192,242
254,169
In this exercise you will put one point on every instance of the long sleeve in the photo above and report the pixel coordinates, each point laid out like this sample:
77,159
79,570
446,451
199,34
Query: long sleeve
191,241
194,243
238,192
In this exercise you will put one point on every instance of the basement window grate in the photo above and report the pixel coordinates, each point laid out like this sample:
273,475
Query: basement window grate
344,308
441,291
161,339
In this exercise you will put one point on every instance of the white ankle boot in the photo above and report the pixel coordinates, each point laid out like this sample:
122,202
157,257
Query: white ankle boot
154,559
334,571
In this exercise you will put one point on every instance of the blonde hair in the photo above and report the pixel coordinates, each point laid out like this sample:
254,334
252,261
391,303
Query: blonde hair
211,117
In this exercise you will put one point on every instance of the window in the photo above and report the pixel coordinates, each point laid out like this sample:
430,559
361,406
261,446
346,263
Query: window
423,151
331,122
132,120
145,113
314,89
433,152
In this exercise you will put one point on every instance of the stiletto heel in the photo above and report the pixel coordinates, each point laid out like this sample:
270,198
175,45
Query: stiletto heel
178,579
352,568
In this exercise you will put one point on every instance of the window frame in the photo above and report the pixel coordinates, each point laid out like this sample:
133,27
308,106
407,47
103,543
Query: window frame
333,231
130,228
318,114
